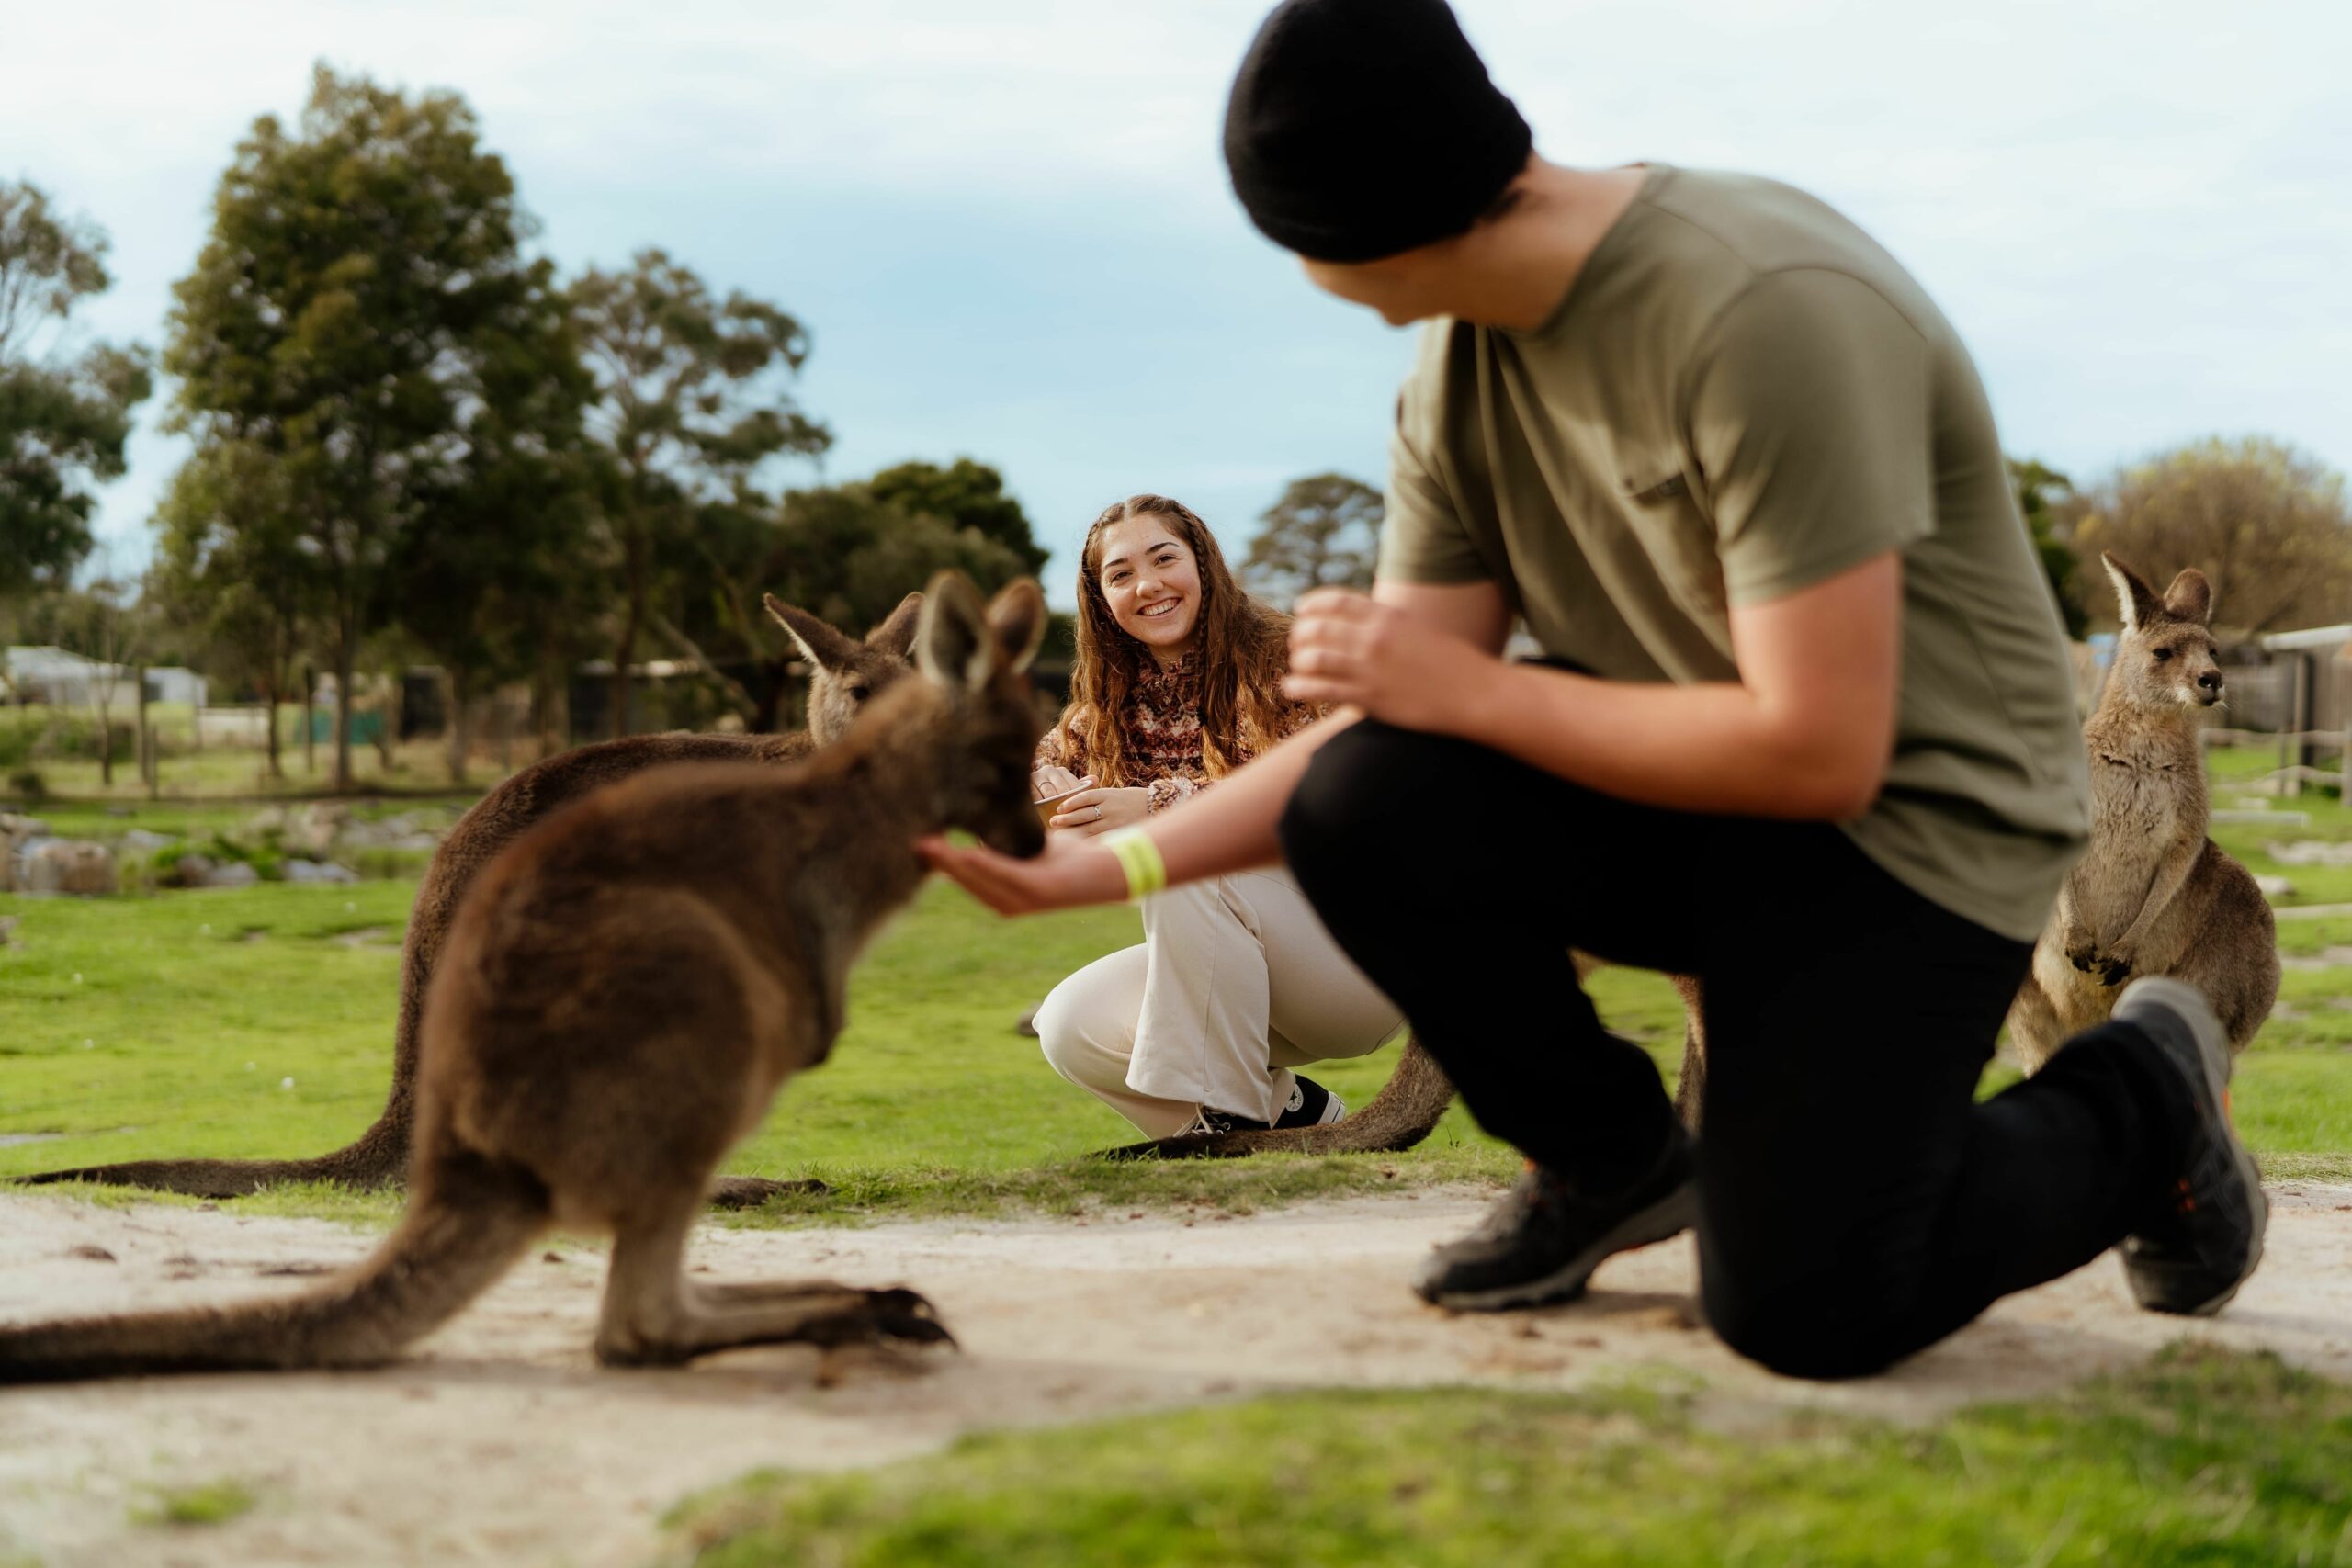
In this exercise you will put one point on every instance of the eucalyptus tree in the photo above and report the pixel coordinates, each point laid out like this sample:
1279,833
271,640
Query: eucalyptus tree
693,398
346,319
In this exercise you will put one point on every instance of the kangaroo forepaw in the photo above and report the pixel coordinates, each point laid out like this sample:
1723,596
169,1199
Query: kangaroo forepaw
2083,955
2114,971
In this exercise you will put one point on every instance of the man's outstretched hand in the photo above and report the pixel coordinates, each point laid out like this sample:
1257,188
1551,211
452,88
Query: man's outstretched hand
1074,869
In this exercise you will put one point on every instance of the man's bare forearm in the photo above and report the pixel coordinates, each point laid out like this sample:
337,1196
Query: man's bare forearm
1232,827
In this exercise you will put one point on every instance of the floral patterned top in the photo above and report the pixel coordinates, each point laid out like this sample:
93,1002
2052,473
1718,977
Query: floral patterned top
1163,726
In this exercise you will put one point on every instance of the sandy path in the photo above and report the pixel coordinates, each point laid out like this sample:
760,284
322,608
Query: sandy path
500,1442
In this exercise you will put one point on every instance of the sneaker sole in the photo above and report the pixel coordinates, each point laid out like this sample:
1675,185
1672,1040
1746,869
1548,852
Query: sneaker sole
2155,1269
2215,1066
1662,1221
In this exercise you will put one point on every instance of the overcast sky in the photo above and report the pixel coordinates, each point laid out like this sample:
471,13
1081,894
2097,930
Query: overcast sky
1008,227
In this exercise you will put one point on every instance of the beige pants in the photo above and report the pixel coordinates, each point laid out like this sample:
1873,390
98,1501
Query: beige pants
1236,983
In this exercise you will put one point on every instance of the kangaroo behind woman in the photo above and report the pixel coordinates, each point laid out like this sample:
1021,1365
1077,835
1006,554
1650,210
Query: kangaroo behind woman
846,673
2153,895
617,1004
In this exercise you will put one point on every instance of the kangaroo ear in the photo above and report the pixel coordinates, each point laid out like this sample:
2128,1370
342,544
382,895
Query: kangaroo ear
953,643
2190,597
820,643
2134,600
897,632
1017,615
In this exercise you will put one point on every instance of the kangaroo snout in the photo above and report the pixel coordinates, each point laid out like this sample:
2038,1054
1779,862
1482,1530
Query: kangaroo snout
1019,834
2208,687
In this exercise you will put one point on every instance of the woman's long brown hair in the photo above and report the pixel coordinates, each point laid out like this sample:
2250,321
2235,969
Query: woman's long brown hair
1240,646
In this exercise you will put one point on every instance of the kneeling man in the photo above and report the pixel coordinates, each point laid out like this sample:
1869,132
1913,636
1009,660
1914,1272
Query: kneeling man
1805,730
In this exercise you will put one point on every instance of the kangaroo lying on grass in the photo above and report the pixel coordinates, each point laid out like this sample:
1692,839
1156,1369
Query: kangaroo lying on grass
617,1004
2153,895
845,674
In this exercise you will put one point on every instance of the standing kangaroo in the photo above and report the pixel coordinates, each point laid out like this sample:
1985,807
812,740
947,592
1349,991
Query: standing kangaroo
845,674
617,1004
2153,895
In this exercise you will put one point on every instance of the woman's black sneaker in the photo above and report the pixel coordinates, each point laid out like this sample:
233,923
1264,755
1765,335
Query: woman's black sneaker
1541,1241
2206,1239
1311,1105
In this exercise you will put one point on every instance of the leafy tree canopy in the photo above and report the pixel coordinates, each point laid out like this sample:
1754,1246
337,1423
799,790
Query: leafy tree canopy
2041,490
65,417
2265,522
1323,533
965,494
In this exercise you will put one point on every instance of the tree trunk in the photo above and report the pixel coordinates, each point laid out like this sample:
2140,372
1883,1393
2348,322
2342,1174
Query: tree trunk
146,734
459,735
269,702
620,664
345,655
763,721
106,743
388,731
310,719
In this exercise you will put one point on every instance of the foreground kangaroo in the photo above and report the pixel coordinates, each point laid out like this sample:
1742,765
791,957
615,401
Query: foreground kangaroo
845,674
618,1003
2153,895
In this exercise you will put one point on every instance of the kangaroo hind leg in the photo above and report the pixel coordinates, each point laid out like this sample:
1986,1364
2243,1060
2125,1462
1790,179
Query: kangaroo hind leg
653,1315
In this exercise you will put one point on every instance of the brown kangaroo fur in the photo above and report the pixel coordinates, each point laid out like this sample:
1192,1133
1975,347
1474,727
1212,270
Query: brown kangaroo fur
1408,1105
618,1003
2153,895
844,674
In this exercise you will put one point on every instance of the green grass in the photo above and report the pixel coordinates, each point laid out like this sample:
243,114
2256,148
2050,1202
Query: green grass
931,1104
168,1025
213,1502
2202,1457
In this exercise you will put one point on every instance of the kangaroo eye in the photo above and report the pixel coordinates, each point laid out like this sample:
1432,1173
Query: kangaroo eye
2162,654
859,693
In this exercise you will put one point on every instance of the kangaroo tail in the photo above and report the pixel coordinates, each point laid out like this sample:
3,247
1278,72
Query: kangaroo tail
1399,1116
466,1228
378,1158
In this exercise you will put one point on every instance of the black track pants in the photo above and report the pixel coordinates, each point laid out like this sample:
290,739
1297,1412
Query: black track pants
1857,1203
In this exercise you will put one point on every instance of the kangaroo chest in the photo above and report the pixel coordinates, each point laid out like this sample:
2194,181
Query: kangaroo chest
2141,801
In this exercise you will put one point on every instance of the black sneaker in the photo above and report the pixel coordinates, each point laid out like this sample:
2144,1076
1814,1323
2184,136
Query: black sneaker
1311,1105
1541,1241
1209,1121
2192,1259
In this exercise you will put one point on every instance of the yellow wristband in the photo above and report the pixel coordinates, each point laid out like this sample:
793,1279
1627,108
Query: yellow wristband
1139,858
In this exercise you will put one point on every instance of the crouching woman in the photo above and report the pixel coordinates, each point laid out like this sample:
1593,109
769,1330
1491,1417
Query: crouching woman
1236,984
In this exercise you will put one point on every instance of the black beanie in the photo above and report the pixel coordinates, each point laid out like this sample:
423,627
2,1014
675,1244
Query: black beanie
1358,129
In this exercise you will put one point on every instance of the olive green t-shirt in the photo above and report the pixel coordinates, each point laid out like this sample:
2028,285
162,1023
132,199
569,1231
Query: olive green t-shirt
1740,396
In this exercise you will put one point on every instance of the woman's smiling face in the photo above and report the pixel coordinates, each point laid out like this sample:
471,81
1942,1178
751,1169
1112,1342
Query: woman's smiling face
1152,584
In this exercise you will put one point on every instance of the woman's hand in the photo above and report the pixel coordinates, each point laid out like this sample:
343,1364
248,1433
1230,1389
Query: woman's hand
1347,649
1069,873
1052,781
1099,810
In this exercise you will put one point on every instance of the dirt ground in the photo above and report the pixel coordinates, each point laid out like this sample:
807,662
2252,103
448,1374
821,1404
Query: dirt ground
499,1442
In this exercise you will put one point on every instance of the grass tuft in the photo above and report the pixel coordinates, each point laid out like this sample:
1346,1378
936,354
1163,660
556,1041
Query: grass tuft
2202,1455
212,1503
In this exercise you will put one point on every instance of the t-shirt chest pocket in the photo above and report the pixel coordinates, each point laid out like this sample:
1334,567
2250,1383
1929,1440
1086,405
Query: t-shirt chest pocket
1678,536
